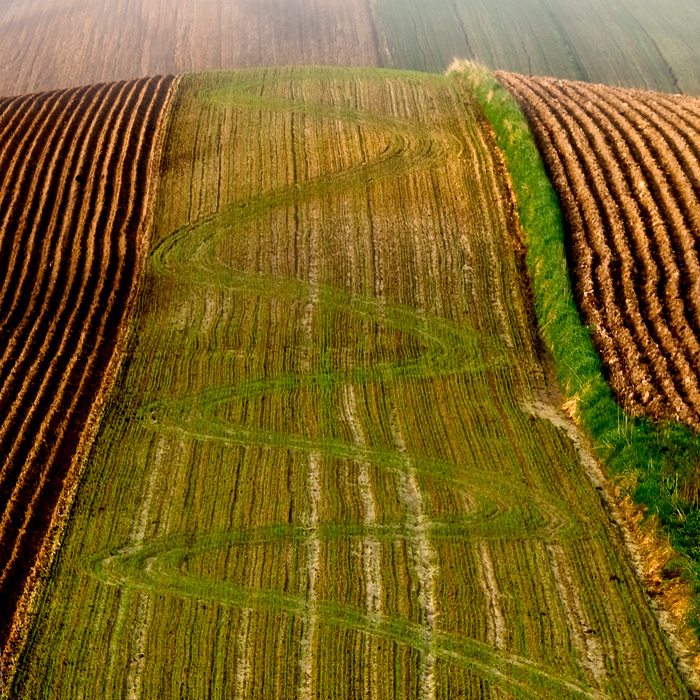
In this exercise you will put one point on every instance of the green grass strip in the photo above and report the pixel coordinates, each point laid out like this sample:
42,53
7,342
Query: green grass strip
659,461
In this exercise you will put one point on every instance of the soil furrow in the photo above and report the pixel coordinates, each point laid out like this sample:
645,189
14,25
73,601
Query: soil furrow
80,356
642,246
41,130
42,352
111,286
672,238
64,374
620,166
49,346
597,213
30,281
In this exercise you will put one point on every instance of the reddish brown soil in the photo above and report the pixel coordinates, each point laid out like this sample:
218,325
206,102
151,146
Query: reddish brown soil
626,167
73,207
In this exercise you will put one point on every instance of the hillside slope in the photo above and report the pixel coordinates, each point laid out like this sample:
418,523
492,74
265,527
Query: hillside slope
334,466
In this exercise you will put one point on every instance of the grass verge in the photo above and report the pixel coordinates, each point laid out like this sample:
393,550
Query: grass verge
658,464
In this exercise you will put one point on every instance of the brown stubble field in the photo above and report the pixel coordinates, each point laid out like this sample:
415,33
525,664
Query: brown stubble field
59,43
77,179
626,166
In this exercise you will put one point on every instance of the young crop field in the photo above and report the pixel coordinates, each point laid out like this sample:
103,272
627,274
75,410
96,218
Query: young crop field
636,43
333,466
74,213
626,166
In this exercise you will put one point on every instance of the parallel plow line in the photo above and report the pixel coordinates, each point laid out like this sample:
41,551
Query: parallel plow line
627,326
626,166
21,149
73,223
673,241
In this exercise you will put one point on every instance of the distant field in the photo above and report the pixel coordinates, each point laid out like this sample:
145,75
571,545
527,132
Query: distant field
46,44
333,466
636,43
74,216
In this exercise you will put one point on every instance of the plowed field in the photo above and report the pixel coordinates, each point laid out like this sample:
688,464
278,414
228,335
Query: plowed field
626,166
74,204
333,467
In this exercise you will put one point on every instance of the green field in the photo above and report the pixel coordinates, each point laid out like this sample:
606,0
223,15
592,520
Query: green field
635,43
333,466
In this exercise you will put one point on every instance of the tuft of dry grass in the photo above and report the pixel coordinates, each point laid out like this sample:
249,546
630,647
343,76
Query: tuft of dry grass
662,573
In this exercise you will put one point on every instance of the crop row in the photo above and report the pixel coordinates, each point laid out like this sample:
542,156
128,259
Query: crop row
625,165
74,214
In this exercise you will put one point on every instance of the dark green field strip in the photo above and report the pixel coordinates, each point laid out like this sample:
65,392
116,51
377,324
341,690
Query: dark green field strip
632,43
329,469
497,33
